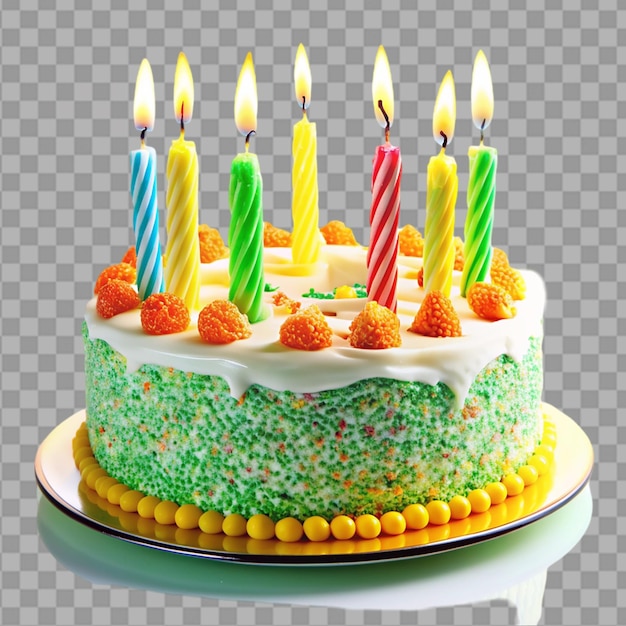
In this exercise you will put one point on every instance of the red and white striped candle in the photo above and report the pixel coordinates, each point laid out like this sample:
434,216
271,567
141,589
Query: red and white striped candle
382,255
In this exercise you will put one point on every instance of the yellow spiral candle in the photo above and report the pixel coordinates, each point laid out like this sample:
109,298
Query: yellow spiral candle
182,269
441,192
306,237
182,265
439,253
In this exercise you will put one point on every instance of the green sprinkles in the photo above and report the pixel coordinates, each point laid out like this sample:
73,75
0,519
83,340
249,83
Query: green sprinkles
374,446
319,295
359,289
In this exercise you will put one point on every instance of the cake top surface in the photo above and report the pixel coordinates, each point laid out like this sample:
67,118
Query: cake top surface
262,359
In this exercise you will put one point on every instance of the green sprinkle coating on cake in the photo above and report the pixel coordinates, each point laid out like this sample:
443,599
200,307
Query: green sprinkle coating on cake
373,446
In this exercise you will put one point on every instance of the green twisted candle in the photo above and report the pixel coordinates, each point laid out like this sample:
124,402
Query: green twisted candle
481,187
245,237
481,192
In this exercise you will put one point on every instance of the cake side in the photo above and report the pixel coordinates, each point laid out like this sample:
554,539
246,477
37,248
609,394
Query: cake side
372,446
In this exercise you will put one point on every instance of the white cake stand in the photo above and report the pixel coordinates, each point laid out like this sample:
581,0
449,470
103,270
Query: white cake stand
512,567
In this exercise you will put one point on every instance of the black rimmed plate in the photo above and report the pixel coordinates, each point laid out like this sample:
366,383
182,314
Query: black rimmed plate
61,483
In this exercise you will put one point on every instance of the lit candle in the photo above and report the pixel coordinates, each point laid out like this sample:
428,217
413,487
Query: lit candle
382,268
304,206
143,190
245,235
481,188
441,191
182,269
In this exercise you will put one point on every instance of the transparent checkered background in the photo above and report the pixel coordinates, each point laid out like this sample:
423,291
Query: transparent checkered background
66,84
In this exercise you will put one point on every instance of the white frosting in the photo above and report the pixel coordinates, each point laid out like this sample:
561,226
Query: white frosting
262,359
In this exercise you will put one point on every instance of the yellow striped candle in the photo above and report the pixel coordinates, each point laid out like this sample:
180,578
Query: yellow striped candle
304,205
441,192
182,269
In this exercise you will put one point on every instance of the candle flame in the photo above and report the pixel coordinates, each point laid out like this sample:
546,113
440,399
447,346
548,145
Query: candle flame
183,90
482,92
302,77
246,102
382,88
143,108
444,116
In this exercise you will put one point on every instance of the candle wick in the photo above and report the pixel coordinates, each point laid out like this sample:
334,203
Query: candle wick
482,128
252,132
303,104
143,136
380,106
182,117
445,139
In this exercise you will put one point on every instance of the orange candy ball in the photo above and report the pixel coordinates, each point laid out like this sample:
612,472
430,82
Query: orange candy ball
490,301
114,297
336,233
306,330
121,271
410,241
221,322
130,257
511,280
275,237
375,328
163,314
436,317
211,244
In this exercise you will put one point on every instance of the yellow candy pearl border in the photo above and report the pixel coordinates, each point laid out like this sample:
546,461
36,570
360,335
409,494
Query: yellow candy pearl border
315,528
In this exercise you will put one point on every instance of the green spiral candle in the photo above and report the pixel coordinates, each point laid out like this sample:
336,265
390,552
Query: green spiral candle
245,196
481,191
245,237
481,187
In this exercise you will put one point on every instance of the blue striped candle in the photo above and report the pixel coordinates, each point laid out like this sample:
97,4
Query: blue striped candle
143,190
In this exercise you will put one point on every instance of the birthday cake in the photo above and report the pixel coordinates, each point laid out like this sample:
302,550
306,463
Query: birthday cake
331,406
